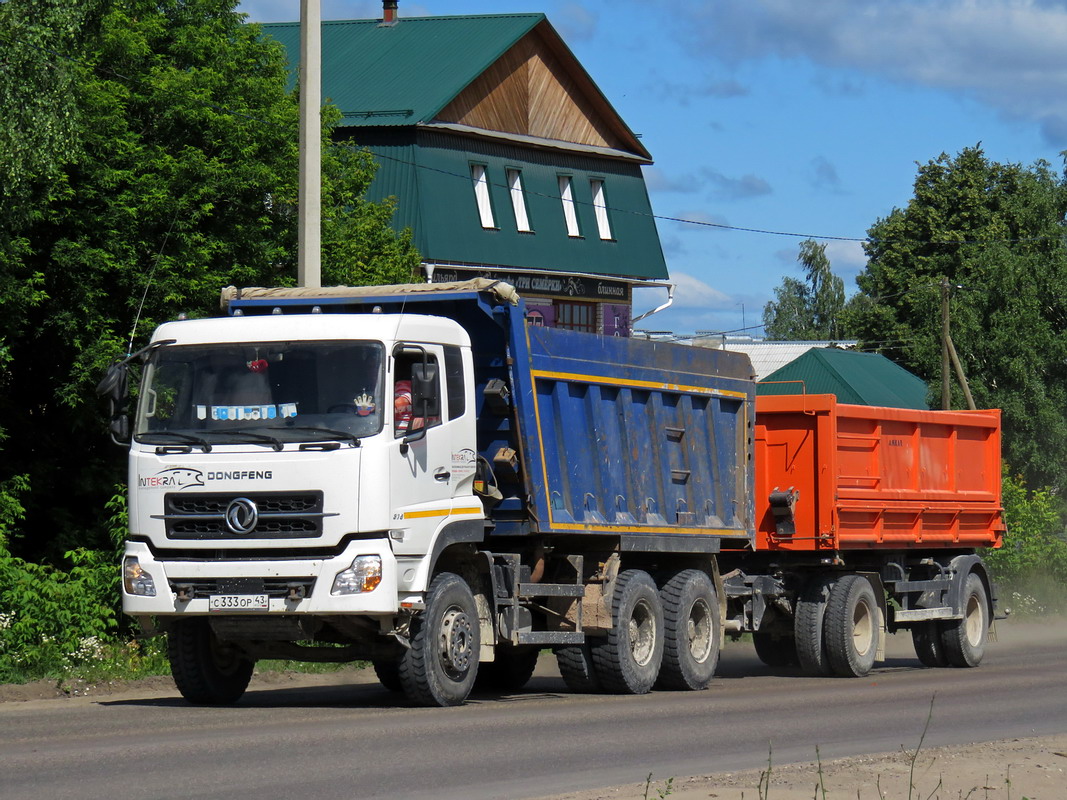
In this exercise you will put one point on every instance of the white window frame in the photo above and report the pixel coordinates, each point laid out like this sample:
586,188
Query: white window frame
570,211
518,200
480,180
600,206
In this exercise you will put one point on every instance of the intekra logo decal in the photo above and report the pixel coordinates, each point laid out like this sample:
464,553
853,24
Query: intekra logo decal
172,478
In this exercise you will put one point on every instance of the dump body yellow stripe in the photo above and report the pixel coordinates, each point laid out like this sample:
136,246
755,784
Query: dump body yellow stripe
660,385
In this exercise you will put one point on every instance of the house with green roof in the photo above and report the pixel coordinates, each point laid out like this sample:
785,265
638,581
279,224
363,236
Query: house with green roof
504,157
867,379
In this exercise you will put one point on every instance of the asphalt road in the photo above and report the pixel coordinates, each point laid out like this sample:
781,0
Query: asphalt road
353,741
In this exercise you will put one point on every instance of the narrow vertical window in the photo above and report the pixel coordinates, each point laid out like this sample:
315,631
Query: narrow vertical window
518,201
600,206
570,215
481,194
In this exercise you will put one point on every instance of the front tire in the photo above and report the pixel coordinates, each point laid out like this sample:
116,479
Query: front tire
575,662
441,664
388,673
690,631
628,660
206,671
964,639
775,651
851,627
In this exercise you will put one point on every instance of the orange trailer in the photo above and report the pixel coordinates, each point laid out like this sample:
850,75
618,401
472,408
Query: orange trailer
831,476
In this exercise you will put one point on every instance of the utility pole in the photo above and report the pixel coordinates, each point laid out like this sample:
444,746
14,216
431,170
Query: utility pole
309,228
948,353
946,387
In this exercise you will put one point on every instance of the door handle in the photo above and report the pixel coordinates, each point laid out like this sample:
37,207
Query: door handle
441,474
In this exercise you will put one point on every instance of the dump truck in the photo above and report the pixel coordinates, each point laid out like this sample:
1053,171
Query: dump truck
421,477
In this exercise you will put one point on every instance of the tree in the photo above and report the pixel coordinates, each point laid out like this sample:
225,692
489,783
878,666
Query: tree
807,309
995,232
163,167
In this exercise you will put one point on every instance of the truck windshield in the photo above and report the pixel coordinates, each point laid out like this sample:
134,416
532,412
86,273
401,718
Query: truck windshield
261,393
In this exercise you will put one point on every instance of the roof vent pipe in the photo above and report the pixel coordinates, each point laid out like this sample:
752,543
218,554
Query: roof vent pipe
388,12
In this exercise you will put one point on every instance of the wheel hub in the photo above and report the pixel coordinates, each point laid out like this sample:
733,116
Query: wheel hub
456,642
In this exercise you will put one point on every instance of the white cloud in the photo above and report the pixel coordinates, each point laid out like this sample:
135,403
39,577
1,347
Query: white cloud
692,293
1008,54
574,22
846,258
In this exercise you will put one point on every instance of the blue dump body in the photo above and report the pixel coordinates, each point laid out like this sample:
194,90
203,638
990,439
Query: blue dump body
647,441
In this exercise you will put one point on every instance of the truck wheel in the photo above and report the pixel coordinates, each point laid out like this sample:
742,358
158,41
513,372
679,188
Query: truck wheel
964,639
926,636
206,671
627,661
808,625
780,651
513,668
690,631
388,673
851,627
439,667
575,664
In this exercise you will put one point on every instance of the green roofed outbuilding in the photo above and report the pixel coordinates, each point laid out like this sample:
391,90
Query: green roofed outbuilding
505,158
867,379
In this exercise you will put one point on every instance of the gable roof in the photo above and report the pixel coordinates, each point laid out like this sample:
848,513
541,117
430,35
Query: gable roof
444,70
867,379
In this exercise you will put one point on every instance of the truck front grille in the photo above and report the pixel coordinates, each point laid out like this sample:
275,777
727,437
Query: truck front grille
293,515
272,587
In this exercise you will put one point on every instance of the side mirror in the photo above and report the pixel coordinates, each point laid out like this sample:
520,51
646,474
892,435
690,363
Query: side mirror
113,387
425,399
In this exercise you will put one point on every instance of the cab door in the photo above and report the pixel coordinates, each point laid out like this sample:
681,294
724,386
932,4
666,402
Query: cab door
430,461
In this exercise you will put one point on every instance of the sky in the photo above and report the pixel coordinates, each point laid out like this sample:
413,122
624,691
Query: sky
772,121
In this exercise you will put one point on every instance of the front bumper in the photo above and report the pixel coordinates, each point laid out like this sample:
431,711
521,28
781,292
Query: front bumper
316,573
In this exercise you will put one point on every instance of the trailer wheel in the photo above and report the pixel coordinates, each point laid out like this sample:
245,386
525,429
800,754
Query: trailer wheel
575,664
628,660
926,636
964,639
206,671
513,668
780,651
851,627
388,673
808,625
439,667
690,631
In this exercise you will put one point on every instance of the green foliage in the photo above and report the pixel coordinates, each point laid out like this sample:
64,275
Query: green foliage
52,619
994,231
153,153
808,309
1034,556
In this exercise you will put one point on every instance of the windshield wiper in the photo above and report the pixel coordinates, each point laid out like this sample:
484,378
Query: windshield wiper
196,441
333,434
257,438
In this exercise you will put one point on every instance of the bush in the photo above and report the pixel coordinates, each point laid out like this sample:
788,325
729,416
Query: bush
1033,561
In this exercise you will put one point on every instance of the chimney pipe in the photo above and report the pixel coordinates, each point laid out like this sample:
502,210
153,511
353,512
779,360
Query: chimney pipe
388,11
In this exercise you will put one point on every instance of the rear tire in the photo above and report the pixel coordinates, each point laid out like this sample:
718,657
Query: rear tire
206,671
926,636
808,625
575,664
441,664
851,627
628,660
964,639
780,651
690,631
512,669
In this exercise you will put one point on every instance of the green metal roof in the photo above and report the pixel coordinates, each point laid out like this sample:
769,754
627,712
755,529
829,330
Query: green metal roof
405,73
867,379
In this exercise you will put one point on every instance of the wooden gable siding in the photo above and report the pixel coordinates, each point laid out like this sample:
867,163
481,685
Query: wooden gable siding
528,91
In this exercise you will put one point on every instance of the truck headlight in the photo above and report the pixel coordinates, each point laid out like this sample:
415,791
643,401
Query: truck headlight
363,576
135,579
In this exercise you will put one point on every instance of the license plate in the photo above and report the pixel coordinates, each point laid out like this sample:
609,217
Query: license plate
237,602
